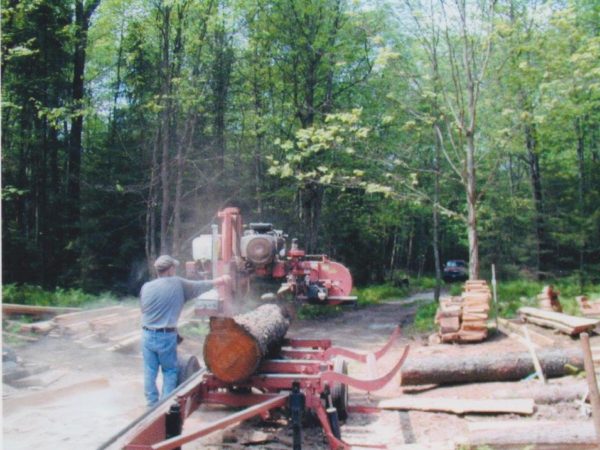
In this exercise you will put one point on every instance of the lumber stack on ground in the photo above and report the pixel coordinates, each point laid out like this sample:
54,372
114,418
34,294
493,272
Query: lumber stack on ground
548,299
524,406
235,347
488,367
464,318
565,323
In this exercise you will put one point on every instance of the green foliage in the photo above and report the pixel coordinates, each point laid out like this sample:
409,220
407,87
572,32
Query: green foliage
424,318
297,112
197,329
514,294
375,294
35,295
308,311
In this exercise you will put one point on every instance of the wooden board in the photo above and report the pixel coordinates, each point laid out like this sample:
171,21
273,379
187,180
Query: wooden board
523,406
563,322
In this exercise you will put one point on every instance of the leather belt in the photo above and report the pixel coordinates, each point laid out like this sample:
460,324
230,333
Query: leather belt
161,330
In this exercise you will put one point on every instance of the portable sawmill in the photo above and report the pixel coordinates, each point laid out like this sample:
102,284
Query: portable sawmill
260,251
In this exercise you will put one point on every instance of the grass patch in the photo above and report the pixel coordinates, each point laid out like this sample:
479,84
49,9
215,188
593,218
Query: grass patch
27,294
517,293
194,329
375,294
307,311
424,318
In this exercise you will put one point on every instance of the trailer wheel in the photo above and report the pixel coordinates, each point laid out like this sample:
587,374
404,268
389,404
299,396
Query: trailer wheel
339,391
187,365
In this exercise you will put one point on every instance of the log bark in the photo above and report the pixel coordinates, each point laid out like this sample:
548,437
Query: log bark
235,347
540,432
481,368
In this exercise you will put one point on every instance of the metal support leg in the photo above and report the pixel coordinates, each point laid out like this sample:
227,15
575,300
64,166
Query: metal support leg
173,422
297,404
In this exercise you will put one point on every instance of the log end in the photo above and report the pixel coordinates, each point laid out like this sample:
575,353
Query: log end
230,352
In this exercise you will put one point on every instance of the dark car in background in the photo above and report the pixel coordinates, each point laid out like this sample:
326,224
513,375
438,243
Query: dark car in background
456,270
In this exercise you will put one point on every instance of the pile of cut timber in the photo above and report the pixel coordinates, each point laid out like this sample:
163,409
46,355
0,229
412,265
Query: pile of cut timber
113,327
588,308
235,347
548,299
464,318
565,323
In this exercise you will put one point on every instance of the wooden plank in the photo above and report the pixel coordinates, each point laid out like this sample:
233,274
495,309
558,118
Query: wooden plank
563,322
507,326
566,319
86,314
550,324
525,406
11,308
590,374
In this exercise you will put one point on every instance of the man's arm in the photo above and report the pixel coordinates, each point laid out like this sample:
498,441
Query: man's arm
192,289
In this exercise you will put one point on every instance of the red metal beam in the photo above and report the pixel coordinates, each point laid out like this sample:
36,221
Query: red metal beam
169,444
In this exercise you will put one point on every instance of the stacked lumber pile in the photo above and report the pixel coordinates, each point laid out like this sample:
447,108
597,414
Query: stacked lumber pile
564,323
548,299
112,328
464,318
587,308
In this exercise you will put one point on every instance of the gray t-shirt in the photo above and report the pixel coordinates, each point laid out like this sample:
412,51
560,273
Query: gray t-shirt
162,299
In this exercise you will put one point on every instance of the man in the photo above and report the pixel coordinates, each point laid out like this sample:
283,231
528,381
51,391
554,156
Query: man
162,301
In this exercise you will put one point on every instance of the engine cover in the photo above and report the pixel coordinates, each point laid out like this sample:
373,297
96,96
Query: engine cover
259,249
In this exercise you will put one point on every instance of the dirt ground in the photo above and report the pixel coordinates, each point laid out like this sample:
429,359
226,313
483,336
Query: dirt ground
78,397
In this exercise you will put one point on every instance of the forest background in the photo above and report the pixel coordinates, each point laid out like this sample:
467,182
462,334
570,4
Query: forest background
390,135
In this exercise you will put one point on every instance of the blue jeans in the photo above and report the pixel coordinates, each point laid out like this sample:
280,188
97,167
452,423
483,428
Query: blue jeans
159,350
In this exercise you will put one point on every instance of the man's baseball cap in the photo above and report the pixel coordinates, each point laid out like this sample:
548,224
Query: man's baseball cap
165,262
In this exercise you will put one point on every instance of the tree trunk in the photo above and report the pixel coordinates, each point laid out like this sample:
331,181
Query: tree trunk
235,347
472,210
536,187
474,369
436,222
165,127
83,13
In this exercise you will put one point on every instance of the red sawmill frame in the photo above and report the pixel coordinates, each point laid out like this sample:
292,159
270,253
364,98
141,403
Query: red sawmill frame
312,370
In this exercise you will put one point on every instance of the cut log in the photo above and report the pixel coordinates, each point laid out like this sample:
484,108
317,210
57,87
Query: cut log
235,346
43,327
481,368
523,406
571,325
11,308
542,432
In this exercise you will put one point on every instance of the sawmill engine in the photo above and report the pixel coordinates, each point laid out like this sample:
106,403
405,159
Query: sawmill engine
262,247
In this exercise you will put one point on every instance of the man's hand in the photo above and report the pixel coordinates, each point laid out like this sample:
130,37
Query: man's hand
222,280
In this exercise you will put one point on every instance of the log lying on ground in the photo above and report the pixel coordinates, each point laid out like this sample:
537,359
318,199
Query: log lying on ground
571,325
235,346
541,432
489,367
460,405
558,390
11,308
